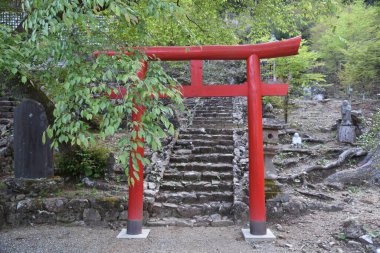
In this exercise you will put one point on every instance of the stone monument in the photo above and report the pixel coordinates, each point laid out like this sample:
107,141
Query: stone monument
33,159
346,130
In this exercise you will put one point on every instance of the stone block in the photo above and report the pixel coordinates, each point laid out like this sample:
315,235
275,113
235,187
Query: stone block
44,217
78,205
55,204
91,216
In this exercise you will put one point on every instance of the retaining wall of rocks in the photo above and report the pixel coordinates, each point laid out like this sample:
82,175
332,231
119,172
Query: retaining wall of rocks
37,201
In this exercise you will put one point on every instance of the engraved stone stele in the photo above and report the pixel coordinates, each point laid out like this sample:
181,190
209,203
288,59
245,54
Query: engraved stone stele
33,159
346,130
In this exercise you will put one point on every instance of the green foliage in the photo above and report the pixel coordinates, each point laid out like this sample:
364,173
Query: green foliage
370,139
54,54
349,42
342,236
256,21
276,101
299,71
89,162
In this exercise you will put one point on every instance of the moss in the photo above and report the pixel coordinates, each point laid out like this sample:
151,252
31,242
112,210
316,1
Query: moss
112,200
271,189
105,203
3,186
37,203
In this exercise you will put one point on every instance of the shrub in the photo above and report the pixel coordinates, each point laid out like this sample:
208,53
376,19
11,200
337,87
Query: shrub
370,139
89,162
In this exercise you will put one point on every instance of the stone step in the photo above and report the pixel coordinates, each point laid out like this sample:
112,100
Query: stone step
212,120
211,158
171,221
214,115
197,166
198,130
203,143
6,115
194,197
6,121
198,221
220,126
7,103
215,103
213,185
206,136
215,149
6,108
5,98
181,151
204,150
161,210
177,175
212,111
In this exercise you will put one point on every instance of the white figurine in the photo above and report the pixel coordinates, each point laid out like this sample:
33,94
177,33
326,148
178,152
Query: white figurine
297,141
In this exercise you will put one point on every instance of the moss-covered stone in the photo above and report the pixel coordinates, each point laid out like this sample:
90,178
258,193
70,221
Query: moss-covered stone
271,189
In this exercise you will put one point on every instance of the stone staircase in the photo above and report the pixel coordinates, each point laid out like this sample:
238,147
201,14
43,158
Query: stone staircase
197,186
7,106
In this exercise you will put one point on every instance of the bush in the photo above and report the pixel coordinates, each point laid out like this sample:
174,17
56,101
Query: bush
370,139
77,163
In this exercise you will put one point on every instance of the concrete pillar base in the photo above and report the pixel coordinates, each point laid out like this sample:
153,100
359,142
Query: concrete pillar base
269,236
123,234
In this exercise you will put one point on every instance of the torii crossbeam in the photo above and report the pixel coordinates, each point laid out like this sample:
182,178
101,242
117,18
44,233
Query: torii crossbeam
253,88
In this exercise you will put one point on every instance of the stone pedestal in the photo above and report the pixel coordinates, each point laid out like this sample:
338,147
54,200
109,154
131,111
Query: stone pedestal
271,140
346,134
269,153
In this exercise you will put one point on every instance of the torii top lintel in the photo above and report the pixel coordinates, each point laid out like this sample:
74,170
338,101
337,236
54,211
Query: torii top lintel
238,52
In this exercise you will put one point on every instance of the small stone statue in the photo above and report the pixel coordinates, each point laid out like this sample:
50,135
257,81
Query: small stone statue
346,114
296,141
346,130
268,111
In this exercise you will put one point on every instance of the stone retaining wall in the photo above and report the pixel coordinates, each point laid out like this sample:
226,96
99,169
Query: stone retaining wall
37,201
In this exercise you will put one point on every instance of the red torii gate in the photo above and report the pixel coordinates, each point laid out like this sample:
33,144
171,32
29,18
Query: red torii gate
253,88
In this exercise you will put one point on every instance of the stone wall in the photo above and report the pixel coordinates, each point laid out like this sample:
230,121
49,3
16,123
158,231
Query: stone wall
37,201
7,105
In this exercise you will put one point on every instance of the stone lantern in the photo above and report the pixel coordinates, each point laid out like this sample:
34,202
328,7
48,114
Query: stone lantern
271,141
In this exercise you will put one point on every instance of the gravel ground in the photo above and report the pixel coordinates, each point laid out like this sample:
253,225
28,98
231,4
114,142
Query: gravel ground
313,232
161,239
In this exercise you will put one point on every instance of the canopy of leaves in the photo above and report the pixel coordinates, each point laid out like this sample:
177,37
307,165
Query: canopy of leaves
349,43
53,52
300,71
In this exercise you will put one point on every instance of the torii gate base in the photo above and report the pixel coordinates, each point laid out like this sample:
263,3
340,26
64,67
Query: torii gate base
254,89
124,235
269,236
